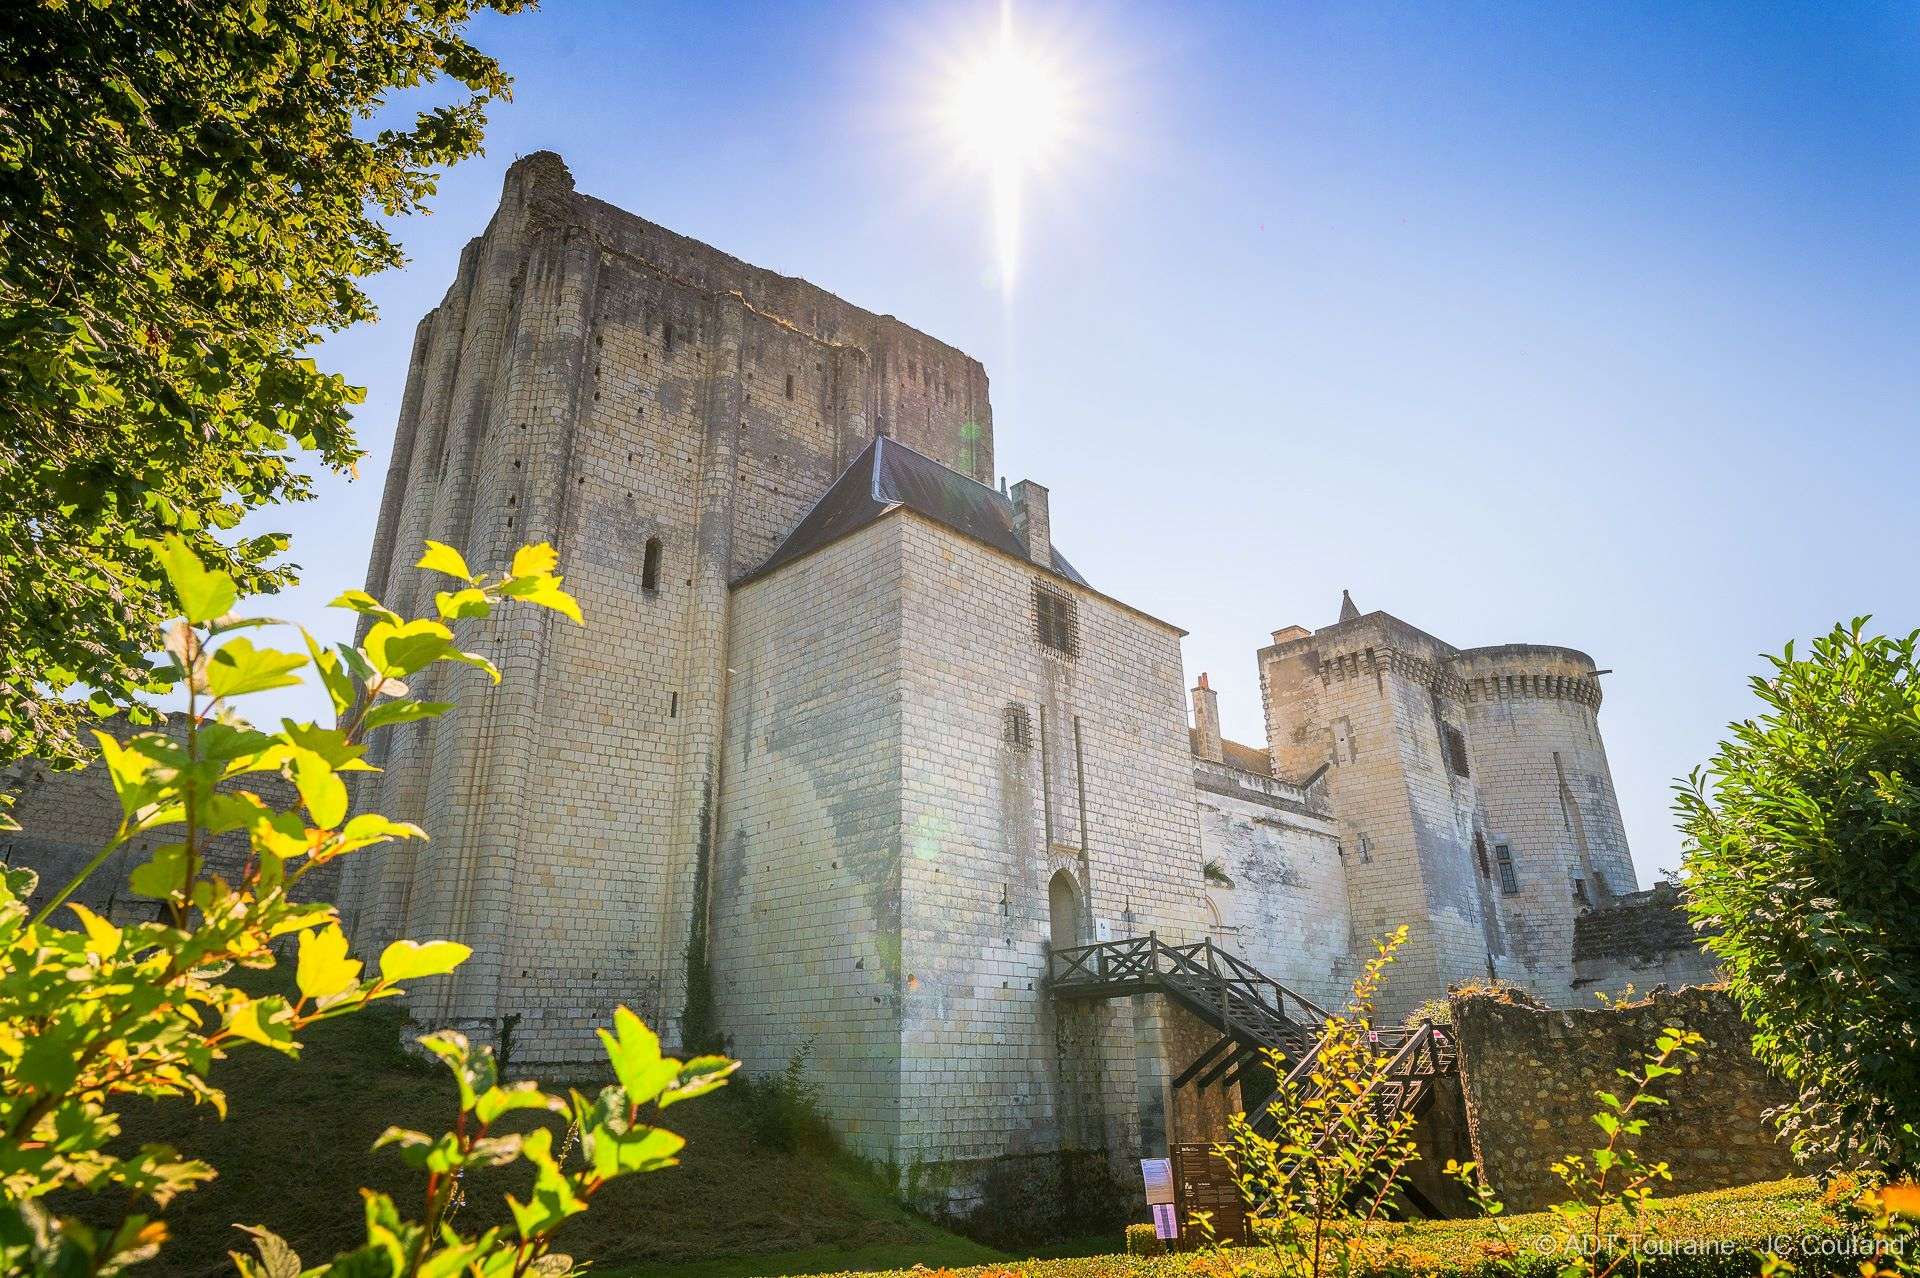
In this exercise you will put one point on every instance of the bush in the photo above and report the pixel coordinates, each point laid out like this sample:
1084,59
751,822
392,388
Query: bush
783,1112
1802,856
94,1016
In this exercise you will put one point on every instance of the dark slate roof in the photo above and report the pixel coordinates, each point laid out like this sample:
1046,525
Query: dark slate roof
889,474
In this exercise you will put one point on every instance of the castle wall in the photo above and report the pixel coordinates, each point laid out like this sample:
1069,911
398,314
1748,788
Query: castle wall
1285,907
596,381
1368,698
1101,790
1639,941
806,913
1530,1073
1542,771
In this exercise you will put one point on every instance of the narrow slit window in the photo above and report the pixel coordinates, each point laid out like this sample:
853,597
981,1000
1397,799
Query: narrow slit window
650,566
789,385
1509,881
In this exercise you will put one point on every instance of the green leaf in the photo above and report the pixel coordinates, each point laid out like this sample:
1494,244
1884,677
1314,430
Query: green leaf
443,558
634,1051
641,1149
455,604
388,713
266,1021
202,594
496,1101
370,828
277,1260
699,1076
362,602
238,667
324,793
333,674
546,592
163,874
324,968
553,1198
404,960
396,651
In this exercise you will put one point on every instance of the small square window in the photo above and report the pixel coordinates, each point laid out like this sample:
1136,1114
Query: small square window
1054,622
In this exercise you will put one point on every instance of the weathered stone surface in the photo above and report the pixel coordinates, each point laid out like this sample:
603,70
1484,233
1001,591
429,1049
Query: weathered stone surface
1531,1073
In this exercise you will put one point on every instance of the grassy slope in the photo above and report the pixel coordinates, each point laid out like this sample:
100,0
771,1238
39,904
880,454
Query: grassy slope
296,1146
297,1142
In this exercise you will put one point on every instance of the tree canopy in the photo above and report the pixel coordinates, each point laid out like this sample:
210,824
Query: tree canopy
1802,860
189,196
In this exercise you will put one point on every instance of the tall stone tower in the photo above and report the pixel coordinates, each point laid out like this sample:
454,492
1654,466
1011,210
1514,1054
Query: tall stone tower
1372,698
1533,732
664,414
1474,800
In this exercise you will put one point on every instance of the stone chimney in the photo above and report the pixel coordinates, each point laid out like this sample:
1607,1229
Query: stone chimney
1030,522
1290,634
1206,722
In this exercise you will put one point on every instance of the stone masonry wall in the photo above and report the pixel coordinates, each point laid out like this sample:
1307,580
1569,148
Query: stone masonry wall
806,881
633,397
1368,699
1542,771
1283,902
1100,791
1642,940
1530,1074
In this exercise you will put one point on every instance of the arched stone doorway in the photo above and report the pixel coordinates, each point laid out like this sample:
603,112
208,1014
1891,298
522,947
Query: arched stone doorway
1063,910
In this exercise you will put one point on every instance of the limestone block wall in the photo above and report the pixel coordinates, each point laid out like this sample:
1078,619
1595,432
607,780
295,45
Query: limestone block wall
67,817
663,414
1641,940
1098,789
1541,766
1284,905
805,933
1530,1073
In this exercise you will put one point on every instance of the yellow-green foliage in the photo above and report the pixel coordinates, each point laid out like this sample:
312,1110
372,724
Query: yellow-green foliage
1335,1158
93,1016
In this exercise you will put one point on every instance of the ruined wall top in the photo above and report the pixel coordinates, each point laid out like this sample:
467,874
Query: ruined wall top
920,390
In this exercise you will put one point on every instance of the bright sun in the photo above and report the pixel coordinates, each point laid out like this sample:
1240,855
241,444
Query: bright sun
1009,111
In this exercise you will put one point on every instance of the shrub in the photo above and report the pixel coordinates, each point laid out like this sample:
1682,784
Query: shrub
92,1016
1336,1156
1802,858
783,1112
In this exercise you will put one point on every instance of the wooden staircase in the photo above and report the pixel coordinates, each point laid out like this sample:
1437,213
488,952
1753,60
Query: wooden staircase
1253,1013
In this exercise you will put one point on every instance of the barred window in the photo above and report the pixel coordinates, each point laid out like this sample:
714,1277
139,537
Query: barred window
1456,749
1054,622
1019,726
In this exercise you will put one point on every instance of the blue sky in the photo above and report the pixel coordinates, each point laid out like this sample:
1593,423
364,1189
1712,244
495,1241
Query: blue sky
1592,325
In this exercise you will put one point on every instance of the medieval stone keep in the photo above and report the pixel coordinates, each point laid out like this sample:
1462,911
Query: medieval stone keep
850,756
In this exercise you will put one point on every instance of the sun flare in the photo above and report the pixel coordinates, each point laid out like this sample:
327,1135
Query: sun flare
1008,111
